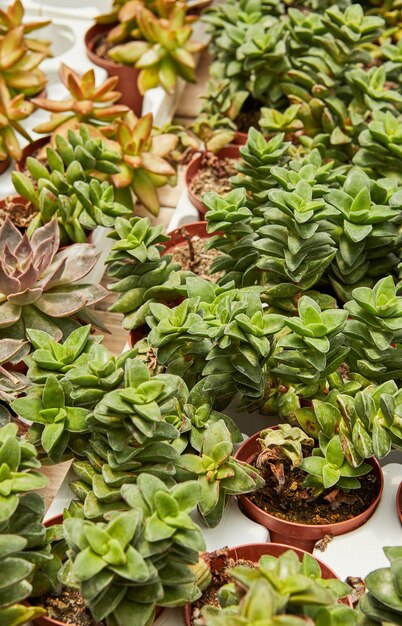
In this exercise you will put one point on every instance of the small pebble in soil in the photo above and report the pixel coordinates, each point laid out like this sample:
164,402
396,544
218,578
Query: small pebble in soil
20,214
69,608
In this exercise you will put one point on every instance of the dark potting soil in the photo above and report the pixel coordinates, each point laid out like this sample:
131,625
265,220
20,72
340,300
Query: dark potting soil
289,500
248,119
219,562
193,257
20,214
214,175
69,608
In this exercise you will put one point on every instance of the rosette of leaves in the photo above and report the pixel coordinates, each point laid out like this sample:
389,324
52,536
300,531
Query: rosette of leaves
67,190
143,167
279,444
294,244
142,274
313,349
87,103
258,157
58,425
374,331
11,383
106,565
202,417
364,231
171,539
382,604
14,16
380,145
163,50
101,476
274,121
232,220
215,132
218,473
370,92
13,110
38,285
136,412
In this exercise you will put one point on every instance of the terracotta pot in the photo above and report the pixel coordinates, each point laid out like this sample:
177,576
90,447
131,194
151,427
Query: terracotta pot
230,152
127,75
254,551
29,150
302,536
177,238
399,502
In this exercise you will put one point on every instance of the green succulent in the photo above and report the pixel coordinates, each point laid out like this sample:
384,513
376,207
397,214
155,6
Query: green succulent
218,473
65,188
383,602
273,121
143,274
11,383
283,442
364,231
58,425
135,413
380,145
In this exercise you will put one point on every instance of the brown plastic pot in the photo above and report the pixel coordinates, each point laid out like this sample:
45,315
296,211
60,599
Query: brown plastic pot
302,536
128,76
4,165
195,165
240,138
254,551
178,237
399,502
30,150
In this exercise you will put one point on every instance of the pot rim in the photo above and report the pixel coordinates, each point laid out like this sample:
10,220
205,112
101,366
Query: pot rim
90,38
319,529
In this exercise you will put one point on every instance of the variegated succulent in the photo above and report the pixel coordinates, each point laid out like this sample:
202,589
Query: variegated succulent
39,286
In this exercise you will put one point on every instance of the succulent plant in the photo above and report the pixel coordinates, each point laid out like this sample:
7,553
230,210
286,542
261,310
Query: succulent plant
216,132
11,383
383,602
374,331
274,121
87,104
19,62
365,232
143,166
13,16
12,111
219,474
66,190
38,284
314,348
135,412
143,275
163,51
284,442
380,147
57,423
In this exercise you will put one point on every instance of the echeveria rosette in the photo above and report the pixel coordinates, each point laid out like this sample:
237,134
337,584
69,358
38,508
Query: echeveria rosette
328,467
18,465
170,539
364,231
218,473
314,348
106,565
374,331
382,604
39,285
57,423
134,414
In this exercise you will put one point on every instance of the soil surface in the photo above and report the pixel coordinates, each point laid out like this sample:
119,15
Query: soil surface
214,175
20,214
194,258
285,497
69,608
248,119
219,563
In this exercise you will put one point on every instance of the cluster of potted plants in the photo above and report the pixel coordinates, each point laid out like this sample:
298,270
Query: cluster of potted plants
284,304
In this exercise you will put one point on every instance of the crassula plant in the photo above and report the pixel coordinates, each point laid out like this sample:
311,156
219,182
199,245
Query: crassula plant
67,190
28,567
39,285
218,473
